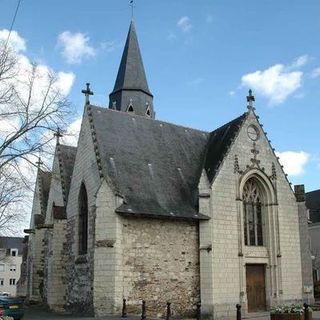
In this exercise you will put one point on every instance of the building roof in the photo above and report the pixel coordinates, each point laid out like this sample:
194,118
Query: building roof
219,142
131,74
131,86
313,204
44,187
154,165
11,243
67,156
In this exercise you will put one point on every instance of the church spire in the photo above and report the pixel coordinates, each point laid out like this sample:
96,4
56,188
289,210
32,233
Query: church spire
131,91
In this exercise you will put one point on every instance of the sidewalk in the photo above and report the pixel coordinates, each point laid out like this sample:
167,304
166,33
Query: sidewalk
36,313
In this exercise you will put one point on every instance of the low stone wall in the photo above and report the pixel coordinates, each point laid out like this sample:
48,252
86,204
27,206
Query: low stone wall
160,264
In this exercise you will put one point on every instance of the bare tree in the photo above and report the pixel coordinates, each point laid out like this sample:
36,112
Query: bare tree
32,107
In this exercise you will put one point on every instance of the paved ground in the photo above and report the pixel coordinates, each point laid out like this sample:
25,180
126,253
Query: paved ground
36,313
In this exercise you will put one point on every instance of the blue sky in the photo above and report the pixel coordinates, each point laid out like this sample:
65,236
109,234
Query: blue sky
200,56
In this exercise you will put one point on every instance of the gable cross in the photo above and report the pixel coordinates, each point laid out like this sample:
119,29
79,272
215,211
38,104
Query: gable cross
39,163
250,100
58,135
87,92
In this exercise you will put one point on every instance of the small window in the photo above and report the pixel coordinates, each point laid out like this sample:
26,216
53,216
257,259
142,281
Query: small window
148,112
83,220
13,252
13,267
1,282
2,267
12,282
130,109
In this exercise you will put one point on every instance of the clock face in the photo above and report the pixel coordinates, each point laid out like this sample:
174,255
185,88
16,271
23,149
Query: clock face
253,132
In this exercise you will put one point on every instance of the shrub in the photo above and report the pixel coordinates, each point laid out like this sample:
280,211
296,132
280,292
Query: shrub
293,308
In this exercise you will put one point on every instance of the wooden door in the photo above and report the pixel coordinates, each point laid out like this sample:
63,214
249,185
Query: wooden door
256,287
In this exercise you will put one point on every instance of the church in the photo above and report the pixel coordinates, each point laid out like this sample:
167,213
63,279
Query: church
148,210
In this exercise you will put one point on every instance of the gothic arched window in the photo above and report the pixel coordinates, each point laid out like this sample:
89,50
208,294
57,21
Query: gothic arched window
252,209
83,220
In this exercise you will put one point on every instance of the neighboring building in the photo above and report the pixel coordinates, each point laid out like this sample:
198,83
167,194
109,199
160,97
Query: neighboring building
145,209
313,205
10,262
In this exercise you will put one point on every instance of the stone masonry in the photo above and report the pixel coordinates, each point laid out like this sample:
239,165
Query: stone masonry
79,268
162,215
144,259
223,282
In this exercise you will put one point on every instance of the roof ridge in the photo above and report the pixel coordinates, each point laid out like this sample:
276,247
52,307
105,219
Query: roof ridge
147,118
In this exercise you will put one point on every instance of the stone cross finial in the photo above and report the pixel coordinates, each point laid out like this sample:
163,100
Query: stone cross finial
87,92
250,99
58,135
39,163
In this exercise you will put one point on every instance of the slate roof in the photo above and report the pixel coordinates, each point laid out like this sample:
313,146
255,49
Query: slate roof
313,204
45,181
131,86
131,74
156,166
219,142
11,243
67,156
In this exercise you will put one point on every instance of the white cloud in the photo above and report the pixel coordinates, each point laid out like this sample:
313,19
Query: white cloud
315,73
15,42
75,46
108,46
275,83
195,82
293,162
299,62
70,137
184,24
22,71
231,93
65,81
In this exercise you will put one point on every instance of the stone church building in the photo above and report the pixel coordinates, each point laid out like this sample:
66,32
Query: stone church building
148,210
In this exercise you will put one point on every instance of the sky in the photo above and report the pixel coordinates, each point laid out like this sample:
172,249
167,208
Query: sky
200,57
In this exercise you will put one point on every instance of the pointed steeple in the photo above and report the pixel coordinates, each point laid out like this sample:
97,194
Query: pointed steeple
131,91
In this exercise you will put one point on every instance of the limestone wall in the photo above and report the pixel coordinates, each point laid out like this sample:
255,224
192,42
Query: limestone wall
79,269
307,279
37,265
143,259
224,267
160,264
55,194
56,290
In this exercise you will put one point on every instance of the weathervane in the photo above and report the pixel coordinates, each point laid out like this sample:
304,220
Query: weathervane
132,8
87,92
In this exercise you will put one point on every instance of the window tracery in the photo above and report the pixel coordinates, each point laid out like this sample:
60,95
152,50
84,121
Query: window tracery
253,218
